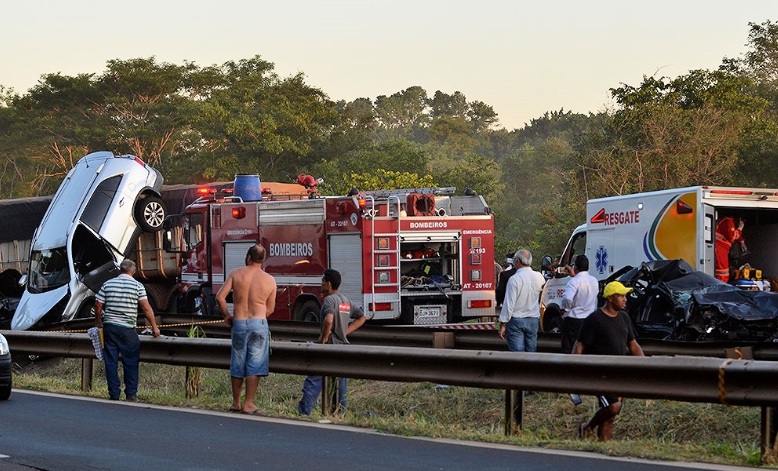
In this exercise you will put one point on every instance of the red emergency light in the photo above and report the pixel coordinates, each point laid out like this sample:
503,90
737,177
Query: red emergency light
732,192
683,208
206,190
238,212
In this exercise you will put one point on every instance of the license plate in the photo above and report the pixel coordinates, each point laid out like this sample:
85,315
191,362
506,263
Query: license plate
428,312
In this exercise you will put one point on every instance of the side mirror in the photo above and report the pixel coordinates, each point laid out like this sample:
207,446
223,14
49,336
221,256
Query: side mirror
167,239
545,263
171,228
23,281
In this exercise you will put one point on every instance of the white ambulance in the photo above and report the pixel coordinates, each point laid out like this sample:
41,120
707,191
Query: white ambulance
664,225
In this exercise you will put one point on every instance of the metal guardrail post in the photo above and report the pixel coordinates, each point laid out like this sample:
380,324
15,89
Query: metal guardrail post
87,371
769,432
329,395
514,412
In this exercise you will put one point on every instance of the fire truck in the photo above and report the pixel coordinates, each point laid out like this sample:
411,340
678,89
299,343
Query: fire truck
415,256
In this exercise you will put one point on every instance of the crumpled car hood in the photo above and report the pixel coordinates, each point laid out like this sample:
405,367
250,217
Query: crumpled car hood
33,306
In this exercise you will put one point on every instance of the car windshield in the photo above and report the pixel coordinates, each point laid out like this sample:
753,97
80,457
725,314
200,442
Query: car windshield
48,269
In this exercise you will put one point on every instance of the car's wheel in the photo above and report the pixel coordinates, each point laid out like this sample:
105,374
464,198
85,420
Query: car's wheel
552,320
309,312
150,213
5,392
86,311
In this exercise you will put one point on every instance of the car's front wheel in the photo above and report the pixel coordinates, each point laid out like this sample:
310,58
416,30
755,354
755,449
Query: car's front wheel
5,392
150,213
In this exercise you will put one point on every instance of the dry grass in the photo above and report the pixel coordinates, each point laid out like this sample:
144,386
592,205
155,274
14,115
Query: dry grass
646,429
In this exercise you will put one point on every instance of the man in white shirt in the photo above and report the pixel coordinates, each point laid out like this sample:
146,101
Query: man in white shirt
520,314
579,300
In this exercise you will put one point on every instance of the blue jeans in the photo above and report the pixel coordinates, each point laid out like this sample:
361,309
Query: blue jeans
250,352
521,333
124,341
312,389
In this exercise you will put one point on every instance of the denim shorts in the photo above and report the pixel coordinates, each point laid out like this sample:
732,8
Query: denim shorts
250,348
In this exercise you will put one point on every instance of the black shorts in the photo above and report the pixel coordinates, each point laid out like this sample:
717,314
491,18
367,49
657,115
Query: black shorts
606,401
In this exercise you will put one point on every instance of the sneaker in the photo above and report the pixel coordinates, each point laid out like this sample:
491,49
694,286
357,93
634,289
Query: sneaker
132,399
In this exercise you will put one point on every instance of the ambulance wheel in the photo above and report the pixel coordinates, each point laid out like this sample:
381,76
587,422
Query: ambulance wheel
309,312
150,212
552,320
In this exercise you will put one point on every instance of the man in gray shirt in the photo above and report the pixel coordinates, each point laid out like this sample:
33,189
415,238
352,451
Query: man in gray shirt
338,319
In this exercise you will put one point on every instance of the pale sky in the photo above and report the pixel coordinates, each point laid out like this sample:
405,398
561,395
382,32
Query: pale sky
522,57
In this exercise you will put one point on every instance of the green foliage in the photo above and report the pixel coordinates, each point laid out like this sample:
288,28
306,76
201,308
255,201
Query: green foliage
208,123
381,179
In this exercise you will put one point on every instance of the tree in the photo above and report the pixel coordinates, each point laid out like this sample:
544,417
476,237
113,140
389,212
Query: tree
255,121
673,133
403,113
397,156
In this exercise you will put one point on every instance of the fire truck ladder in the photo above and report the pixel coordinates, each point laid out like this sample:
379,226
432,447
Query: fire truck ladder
398,193
392,215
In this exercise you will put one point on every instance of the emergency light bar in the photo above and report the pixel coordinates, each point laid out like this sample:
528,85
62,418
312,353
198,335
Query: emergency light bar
732,192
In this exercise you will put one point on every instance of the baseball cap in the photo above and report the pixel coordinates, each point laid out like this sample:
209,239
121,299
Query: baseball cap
614,287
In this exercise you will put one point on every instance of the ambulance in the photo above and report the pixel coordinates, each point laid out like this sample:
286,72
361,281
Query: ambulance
624,231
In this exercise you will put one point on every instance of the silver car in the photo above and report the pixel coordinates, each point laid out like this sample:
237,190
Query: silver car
92,223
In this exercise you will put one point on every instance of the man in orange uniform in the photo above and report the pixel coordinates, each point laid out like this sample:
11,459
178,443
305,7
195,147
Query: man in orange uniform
727,233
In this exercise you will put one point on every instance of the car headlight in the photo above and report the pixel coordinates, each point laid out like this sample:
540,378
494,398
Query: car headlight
3,346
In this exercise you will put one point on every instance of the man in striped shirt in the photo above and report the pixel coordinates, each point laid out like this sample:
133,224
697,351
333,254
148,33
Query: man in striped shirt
116,312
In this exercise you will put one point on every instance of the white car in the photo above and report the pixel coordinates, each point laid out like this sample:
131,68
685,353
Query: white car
5,369
92,223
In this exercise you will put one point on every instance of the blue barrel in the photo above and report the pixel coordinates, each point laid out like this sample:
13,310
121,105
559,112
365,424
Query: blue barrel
248,187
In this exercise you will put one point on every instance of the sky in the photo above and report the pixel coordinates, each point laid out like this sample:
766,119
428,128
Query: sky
522,57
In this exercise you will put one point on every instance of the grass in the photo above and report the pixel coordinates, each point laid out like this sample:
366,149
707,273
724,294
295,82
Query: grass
649,429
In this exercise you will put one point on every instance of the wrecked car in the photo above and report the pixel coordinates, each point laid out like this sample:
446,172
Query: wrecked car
91,224
672,301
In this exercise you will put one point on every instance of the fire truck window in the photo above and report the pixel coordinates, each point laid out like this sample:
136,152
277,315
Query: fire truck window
194,230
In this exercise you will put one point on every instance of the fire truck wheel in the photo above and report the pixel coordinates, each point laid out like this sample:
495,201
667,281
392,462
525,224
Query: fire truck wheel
150,212
309,312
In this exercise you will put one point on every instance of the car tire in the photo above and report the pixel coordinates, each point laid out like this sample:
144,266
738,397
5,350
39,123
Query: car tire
5,393
150,213
552,320
86,311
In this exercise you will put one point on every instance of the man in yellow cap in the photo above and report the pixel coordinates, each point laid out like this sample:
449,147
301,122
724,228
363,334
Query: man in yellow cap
607,331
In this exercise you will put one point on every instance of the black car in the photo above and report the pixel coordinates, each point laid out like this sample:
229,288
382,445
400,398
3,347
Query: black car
672,301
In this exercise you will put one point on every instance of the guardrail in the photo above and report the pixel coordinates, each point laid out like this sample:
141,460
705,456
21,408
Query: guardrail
428,337
686,379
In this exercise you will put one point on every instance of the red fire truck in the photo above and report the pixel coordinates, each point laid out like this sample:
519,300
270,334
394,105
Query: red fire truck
421,256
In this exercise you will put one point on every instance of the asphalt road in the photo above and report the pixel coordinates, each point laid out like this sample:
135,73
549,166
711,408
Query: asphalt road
61,433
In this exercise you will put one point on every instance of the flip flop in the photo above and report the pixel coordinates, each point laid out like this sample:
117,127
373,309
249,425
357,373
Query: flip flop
255,412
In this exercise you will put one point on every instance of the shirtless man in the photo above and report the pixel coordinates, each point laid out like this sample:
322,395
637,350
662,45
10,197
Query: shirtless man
253,299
